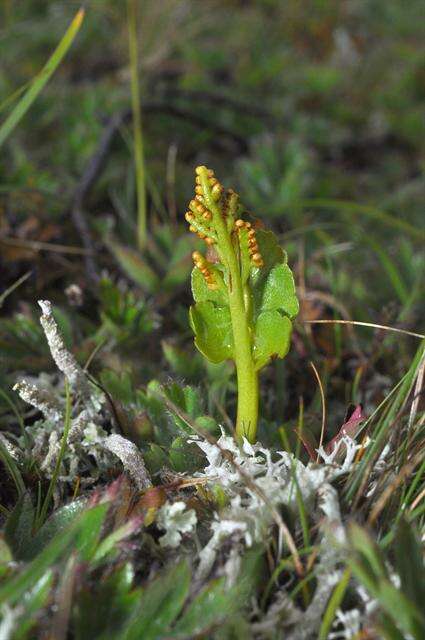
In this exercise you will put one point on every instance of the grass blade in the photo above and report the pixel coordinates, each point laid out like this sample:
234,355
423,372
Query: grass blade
12,469
13,589
369,211
333,604
139,160
42,78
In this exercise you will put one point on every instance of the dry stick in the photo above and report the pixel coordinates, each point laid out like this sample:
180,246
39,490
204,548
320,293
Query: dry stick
322,395
417,393
13,286
366,324
417,500
36,245
138,146
370,465
91,172
245,477
97,161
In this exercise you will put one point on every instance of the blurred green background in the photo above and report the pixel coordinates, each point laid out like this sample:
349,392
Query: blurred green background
312,110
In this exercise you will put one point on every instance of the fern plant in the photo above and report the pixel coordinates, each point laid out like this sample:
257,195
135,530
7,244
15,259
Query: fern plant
244,292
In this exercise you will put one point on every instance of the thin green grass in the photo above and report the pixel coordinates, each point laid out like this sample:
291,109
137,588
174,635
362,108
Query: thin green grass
369,211
333,604
393,273
67,424
391,409
12,468
139,160
42,78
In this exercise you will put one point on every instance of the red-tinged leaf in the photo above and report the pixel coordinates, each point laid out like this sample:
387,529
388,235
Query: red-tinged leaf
350,428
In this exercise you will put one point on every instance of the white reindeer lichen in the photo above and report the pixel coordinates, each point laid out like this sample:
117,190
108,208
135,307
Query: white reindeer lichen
64,360
41,398
248,519
131,459
176,520
87,440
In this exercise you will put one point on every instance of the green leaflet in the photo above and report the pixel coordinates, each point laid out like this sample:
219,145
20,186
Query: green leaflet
274,304
270,250
201,293
272,337
273,286
161,602
210,607
135,267
210,320
278,292
213,330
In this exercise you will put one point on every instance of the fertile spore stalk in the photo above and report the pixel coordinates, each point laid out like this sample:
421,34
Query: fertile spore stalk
243,289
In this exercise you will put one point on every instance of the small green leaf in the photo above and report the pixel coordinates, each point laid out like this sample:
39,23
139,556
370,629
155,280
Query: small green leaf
32,602
155,458
135,267
14,588
213,330
208,424
366,547
208,610
409,563
270,250
161,603
333,604
18,528
56,523
386,627
185,456
115,601
183,364
110,544
6,555
402,610
272,337
201,292
279,291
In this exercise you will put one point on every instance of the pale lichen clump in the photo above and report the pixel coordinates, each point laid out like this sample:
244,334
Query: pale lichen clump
65,361
177,521
90,451
42,398
131,458
255,480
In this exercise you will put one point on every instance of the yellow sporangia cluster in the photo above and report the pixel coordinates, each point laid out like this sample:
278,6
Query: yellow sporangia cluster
205,268
254,253
201,221
199,217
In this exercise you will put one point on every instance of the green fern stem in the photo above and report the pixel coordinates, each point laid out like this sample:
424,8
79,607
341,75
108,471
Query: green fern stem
240,312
